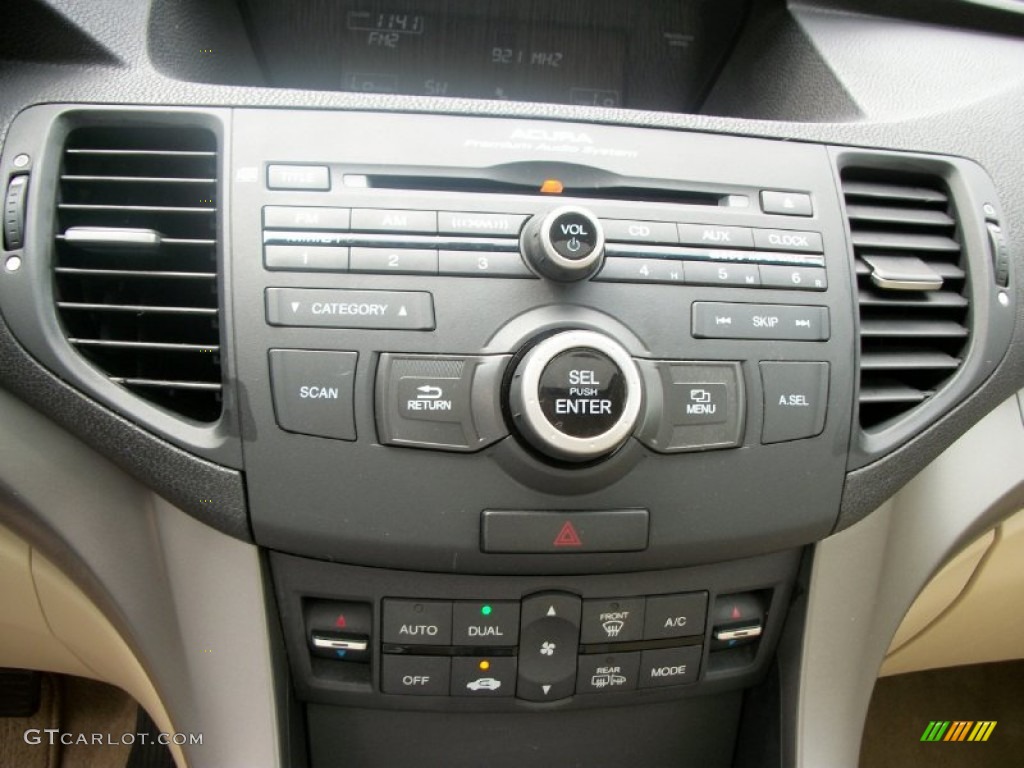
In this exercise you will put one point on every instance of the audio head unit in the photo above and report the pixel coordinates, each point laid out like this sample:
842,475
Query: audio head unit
650,341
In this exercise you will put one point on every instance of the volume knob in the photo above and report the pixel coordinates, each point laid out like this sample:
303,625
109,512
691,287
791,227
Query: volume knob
565,244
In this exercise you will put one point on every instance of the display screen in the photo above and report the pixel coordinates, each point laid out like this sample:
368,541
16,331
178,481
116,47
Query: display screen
391,52
604,53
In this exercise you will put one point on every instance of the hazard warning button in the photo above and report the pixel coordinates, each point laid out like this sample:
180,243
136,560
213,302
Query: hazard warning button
534,531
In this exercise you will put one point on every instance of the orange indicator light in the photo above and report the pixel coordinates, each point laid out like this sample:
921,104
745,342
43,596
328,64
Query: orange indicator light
551,187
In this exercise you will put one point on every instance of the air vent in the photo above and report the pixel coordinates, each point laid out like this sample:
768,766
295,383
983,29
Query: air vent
912,290
135,268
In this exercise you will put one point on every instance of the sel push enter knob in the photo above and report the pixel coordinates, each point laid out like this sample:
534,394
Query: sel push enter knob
576,396
565,244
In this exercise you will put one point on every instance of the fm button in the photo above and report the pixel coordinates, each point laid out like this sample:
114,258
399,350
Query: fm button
566,244
576,396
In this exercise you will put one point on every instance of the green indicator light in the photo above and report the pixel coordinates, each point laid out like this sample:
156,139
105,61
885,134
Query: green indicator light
485,610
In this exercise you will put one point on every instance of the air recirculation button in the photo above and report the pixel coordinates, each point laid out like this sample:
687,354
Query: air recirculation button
576,396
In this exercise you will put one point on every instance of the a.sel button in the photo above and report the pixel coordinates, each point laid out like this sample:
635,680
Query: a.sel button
675,615
669,666
313,392
417,622
415,675
795,400
341,308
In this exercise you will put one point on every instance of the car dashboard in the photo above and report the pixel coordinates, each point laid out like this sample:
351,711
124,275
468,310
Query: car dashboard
402,383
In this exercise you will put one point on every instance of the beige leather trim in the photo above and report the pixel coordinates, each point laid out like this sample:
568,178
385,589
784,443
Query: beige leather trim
970,611
47,623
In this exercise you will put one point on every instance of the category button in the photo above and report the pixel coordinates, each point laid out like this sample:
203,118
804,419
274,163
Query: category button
786,240
313,392
417,622
710,235
795,400
415,675
675,615
669,666
607,673
476,223
617,620
494,622
341,308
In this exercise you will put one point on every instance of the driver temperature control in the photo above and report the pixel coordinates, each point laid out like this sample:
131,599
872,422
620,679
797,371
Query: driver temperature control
576,396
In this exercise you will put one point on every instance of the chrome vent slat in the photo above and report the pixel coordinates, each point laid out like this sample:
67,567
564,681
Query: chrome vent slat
145,313
897,361
878,214
86,179
854,189
85,307
204,386
121,344
157,274
911,341
900,241
929,300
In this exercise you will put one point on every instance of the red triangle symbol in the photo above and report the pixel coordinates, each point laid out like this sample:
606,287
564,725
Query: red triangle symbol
567,537
735,613
340,621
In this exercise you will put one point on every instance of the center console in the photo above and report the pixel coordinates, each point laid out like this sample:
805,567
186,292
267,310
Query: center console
535,421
